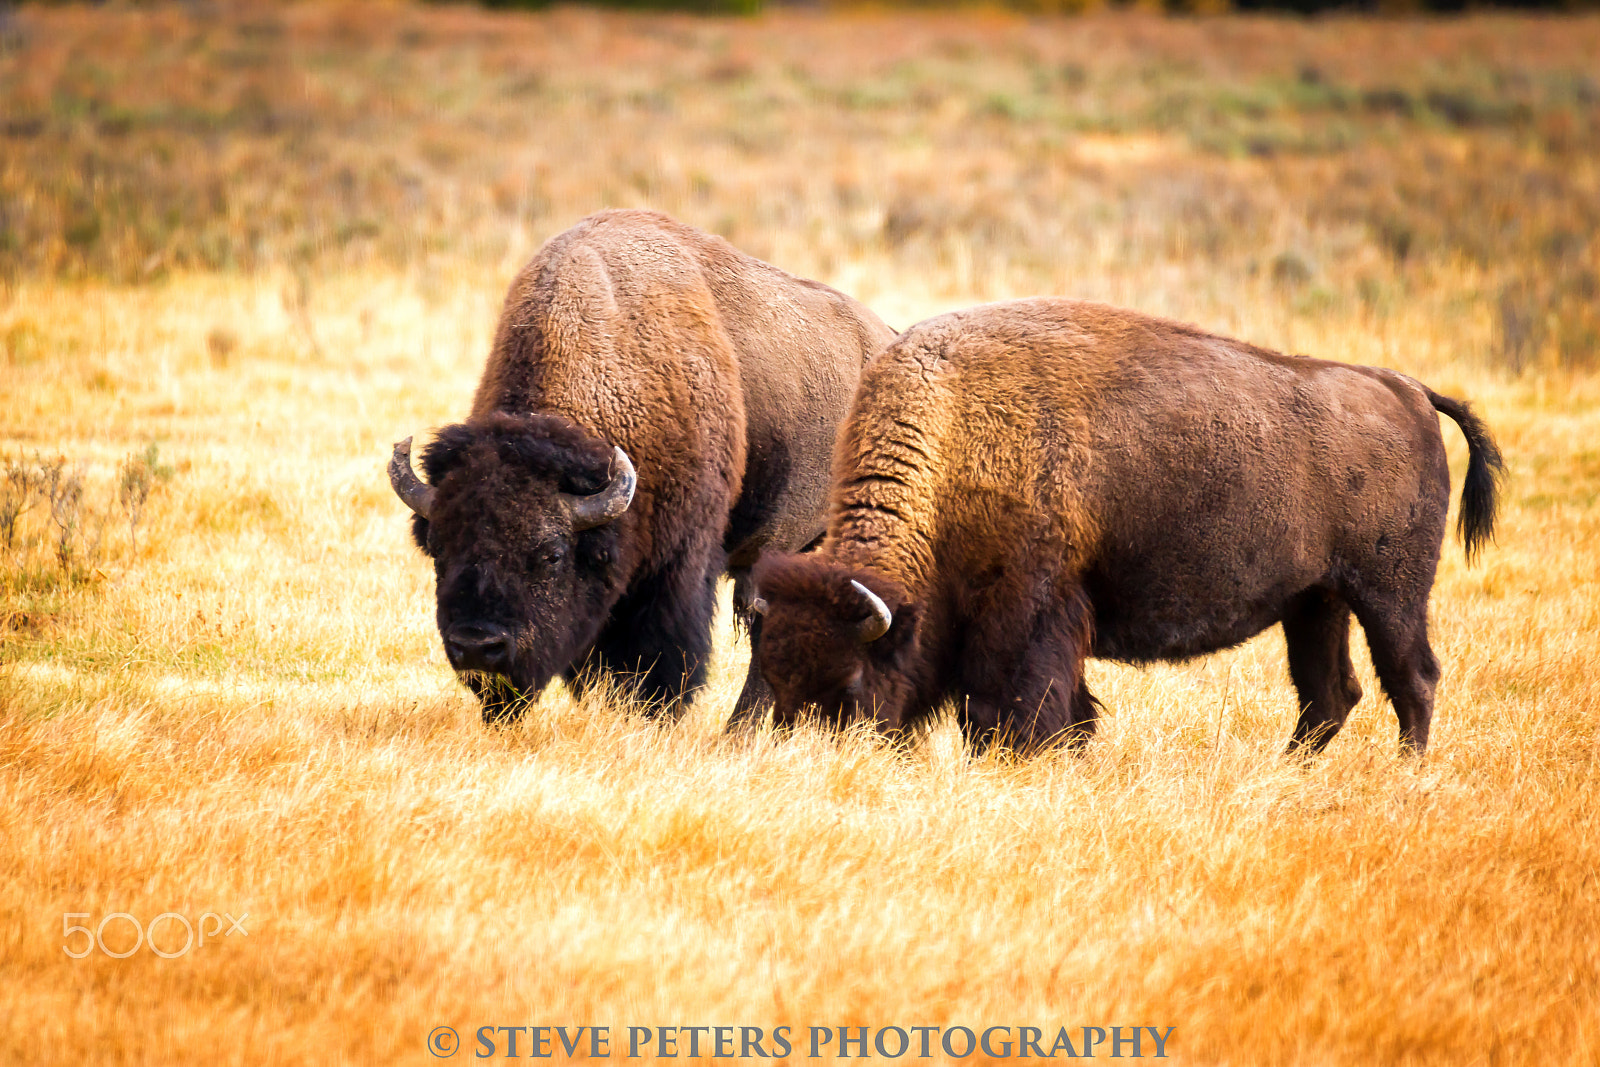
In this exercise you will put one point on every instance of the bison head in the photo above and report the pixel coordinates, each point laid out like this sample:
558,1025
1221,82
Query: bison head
518,514
837,639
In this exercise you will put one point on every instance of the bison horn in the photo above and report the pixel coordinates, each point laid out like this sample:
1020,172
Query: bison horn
417,493
877,624
759,606
600,508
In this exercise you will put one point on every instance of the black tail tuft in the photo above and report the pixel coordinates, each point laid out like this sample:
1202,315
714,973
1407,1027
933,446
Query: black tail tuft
1485,468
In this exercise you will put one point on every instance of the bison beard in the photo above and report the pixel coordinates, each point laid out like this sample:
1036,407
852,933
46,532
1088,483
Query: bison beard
1023,485
656,410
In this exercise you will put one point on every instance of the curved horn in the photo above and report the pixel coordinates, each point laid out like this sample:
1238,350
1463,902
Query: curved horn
417,493
878,623
597,509
759,606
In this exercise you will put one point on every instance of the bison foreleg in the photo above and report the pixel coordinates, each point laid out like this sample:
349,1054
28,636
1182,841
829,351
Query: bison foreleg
755,699
756,696
657,641
1026,724
1085,717
1041,699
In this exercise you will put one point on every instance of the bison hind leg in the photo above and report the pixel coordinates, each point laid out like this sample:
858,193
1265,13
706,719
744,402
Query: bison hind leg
1397,634
1316,629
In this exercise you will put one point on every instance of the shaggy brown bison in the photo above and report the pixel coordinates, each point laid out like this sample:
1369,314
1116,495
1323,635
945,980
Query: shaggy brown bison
658,407
1021,485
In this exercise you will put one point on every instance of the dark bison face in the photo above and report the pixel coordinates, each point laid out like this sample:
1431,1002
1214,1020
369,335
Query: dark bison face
835,640
519,515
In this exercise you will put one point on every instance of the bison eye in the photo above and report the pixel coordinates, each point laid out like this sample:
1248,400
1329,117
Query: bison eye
548,555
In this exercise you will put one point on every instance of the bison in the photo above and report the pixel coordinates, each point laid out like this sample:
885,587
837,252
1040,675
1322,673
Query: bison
1022,485
657,408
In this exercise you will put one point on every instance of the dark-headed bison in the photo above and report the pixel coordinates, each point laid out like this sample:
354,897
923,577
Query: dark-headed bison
658,408
1022,485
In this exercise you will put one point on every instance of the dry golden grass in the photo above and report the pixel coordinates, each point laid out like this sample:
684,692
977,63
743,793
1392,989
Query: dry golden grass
249,712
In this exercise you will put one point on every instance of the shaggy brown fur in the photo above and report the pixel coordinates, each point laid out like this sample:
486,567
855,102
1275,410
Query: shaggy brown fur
722,377
1029,483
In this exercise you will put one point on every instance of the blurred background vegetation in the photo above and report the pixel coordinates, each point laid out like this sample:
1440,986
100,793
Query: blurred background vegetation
1340,165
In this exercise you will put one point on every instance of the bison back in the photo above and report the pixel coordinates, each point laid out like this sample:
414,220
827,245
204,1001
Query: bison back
1190,483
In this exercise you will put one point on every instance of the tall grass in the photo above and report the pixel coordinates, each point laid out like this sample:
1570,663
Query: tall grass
244,709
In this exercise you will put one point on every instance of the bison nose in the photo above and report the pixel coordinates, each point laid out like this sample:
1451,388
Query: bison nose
476,646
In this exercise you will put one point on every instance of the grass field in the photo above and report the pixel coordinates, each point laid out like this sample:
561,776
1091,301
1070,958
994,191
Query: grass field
271,241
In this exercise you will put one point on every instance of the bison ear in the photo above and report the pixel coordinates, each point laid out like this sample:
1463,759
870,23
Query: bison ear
419,533
896,646
444,452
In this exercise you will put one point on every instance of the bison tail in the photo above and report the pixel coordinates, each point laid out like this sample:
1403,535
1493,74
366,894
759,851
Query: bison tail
1485,467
